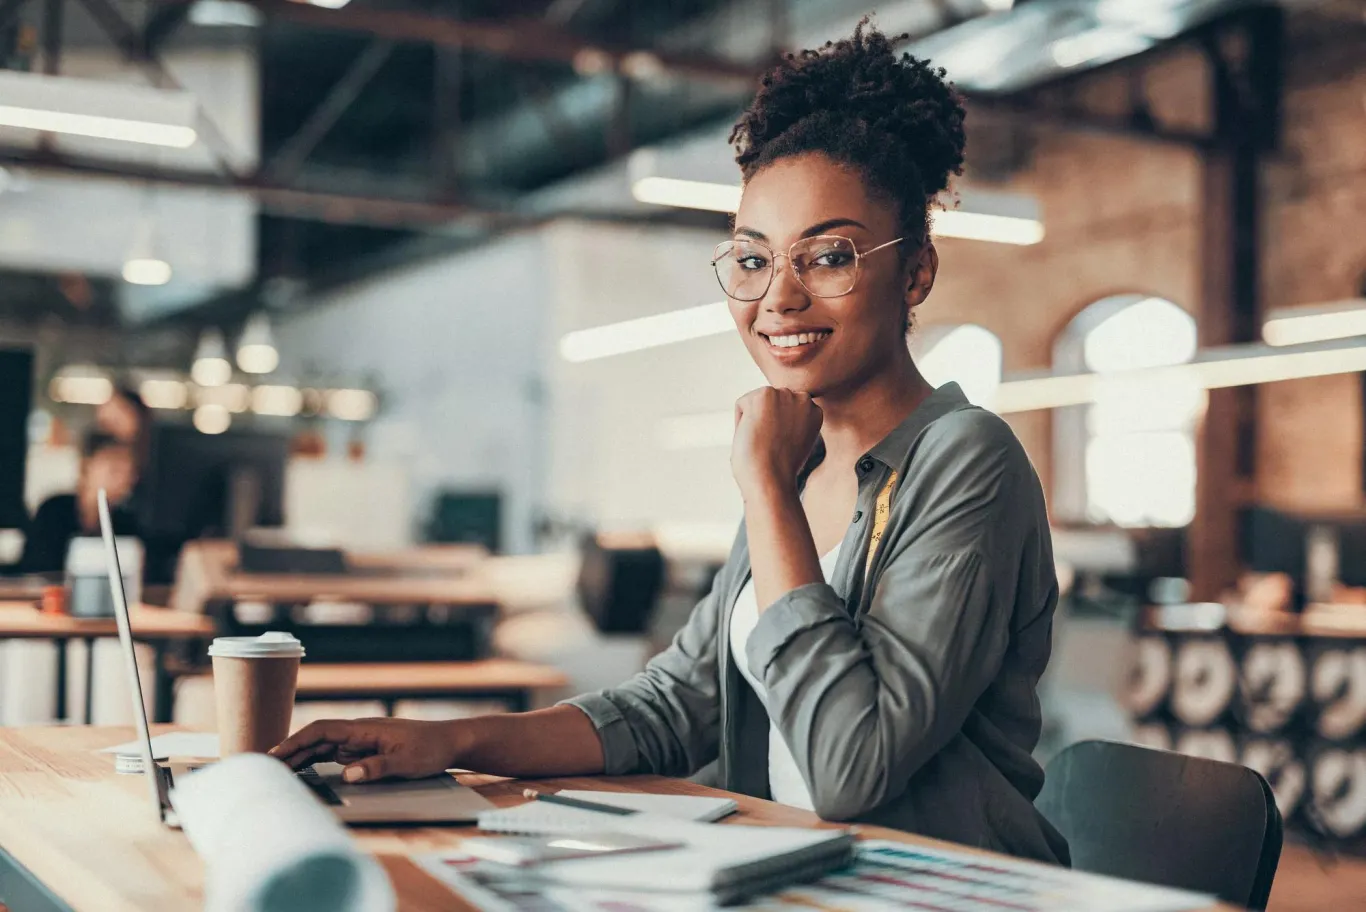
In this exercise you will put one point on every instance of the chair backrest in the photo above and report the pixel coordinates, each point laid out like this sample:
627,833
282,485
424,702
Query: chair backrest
1165,818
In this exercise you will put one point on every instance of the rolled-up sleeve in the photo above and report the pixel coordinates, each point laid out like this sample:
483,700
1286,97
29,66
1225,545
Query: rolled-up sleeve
863,704
666,719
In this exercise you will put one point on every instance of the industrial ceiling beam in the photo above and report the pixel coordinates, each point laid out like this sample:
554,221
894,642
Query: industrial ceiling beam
525,40
434,217
130,42
295,150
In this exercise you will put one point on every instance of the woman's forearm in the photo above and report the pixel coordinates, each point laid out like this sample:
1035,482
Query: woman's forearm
559,741
782,552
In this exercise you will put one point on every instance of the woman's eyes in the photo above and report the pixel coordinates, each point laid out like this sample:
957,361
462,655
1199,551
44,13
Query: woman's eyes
832,259
751,261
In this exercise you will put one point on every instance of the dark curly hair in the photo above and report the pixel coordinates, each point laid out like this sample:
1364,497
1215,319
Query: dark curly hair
894,119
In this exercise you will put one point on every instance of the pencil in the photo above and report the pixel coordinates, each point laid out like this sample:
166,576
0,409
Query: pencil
576,803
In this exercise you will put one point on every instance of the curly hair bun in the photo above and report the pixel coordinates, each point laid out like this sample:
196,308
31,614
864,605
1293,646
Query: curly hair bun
892,117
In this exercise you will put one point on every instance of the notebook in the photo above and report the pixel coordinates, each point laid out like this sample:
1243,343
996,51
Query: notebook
542,818
726,862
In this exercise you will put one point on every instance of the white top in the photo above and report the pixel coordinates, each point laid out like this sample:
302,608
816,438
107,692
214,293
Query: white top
785,782
268,645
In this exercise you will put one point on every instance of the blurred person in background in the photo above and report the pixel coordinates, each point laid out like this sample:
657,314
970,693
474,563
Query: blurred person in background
107,462
882,668
125,417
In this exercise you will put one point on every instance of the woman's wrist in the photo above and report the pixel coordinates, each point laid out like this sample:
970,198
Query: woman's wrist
458,740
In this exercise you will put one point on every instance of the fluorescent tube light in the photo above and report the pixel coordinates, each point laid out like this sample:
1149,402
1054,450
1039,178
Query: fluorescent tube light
146,271
956,223
1299,325
101,109
980,226
687,194
647,332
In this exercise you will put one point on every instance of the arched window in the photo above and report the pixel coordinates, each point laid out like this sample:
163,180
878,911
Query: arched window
1129,457
966,354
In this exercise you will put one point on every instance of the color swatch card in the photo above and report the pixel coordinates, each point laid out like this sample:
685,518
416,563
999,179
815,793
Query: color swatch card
884,876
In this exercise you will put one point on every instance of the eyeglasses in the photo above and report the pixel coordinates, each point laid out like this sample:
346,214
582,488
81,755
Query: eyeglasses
827,266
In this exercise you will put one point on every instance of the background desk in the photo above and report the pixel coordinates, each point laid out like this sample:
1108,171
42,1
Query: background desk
75,835
155,626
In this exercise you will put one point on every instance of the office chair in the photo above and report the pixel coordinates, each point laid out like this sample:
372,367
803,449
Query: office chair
1165,818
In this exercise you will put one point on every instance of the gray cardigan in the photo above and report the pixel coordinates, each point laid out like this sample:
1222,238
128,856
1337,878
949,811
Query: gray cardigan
909,699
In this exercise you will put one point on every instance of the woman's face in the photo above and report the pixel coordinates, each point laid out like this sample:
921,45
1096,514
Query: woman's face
847,339
111,468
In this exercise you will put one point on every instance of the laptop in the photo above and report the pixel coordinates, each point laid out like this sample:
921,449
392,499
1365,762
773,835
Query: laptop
439,799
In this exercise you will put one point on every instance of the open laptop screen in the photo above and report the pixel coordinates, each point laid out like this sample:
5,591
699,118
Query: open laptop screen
144,739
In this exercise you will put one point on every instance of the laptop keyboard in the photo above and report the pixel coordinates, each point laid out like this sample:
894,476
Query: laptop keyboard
309,777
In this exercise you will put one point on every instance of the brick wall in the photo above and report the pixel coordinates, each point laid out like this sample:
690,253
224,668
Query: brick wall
1122,216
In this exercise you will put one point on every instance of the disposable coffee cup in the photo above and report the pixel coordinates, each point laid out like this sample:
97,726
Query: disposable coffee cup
254,679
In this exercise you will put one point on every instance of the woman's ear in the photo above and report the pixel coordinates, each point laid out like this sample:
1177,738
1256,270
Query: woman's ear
920,280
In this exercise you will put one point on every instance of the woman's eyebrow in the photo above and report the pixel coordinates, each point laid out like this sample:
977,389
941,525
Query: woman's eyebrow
818,228
822,227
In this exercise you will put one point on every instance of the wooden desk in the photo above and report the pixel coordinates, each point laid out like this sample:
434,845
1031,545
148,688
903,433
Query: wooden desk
496,679
74,835
22,588
154,626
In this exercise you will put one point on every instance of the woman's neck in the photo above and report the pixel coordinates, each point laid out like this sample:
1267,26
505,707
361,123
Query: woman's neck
854,423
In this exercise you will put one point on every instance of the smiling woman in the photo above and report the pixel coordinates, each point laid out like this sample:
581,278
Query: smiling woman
871,648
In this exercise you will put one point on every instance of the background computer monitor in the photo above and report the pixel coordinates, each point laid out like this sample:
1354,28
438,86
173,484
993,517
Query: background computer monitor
16,401
200,485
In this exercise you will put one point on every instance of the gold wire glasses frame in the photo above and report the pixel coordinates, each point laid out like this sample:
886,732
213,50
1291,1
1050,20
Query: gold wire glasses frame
832,280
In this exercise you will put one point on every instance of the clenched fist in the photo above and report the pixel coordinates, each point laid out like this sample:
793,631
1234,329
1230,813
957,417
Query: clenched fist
775,432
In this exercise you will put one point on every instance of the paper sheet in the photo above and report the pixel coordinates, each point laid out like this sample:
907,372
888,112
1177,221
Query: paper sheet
885,876
268,845
172,744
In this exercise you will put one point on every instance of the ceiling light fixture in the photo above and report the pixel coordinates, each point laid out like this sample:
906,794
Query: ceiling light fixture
211,366
277,401
1096,45
212,419
143,265
1299,325
352,404
256,352
986,216
97,108
647,332
686,194
164,393
81,384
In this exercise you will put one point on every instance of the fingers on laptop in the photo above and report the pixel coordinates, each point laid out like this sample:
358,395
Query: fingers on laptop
326,740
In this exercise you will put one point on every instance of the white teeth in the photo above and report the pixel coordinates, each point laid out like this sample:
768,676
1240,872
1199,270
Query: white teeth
798,339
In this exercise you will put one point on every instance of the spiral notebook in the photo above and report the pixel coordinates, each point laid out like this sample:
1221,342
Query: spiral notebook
542,818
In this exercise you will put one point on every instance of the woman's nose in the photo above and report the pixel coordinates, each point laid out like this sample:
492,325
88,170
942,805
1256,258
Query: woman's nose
785,293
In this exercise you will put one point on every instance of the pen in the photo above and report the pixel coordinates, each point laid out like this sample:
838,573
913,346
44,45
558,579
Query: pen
576,803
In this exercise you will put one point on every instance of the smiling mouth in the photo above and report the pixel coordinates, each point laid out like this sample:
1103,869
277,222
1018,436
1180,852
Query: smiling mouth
797,340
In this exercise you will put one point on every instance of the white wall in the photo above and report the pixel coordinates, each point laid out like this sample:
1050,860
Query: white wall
465,352
607,461
454,345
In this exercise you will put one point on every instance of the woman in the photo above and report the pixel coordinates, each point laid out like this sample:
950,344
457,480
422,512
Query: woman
106,462
881,669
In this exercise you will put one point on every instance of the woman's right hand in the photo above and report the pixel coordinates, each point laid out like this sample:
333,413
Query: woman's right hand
372,749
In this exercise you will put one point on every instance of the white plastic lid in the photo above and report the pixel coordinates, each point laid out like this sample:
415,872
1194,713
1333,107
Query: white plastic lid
267,645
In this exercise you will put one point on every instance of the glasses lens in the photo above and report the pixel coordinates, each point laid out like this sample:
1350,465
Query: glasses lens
744,269
827,265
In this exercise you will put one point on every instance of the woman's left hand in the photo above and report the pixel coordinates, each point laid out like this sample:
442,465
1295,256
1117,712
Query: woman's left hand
775,432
